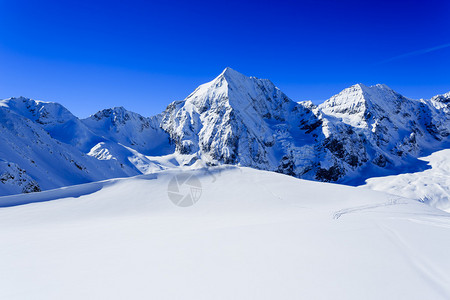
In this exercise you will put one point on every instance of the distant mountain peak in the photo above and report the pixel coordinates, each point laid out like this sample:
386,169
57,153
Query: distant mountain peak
235,79
233,90
14,101
229,71
118,114
368,89
359,98
444,98
359,86
232,119
38,111
230,74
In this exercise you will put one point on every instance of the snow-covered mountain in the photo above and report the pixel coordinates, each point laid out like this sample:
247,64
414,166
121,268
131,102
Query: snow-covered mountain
32,159
361,132
44,146
234,119
389,130
131,129
54,118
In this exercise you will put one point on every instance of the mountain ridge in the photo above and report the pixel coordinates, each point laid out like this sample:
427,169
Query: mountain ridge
362,131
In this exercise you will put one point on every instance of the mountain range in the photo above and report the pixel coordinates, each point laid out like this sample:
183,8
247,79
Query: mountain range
362,132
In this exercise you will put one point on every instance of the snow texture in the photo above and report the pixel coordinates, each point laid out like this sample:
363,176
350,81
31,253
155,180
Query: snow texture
431,186
251,235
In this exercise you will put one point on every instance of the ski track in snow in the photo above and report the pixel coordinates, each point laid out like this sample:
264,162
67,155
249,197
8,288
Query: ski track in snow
356,209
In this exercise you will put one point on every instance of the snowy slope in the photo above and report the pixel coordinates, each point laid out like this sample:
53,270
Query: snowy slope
431,186
42,161
54,118
44,146
251,235
131,129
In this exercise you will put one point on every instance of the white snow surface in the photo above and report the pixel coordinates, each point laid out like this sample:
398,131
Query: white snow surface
252,235
431,186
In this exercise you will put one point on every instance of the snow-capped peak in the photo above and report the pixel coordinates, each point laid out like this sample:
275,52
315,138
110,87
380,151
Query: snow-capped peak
116,116
360,93
358,104
38,111
444,98
231,74
218,114
233,77
130,129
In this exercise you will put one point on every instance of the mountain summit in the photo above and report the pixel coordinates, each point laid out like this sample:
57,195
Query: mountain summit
233,119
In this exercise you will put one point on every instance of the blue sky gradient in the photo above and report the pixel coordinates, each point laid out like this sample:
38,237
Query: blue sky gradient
90,55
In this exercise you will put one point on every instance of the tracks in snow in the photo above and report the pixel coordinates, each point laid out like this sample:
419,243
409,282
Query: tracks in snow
340,213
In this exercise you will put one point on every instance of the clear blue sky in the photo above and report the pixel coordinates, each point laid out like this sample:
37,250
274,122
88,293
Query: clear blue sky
90,55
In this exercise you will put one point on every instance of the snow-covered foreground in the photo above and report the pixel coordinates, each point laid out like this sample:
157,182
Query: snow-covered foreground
251,235
431,186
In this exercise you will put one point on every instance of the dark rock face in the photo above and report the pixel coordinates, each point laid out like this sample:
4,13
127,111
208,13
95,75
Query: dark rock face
287,166
333,173
13,175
